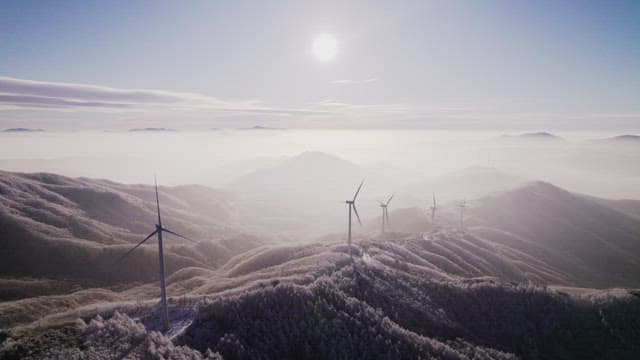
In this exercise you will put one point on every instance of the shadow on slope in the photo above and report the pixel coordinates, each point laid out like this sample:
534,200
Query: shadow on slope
598,245
580,240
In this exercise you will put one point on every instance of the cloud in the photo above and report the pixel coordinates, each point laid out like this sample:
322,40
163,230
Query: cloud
29,94
72,105
82,92
353,82
52,102
338,107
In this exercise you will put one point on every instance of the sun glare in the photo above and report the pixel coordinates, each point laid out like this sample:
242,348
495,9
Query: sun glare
325,47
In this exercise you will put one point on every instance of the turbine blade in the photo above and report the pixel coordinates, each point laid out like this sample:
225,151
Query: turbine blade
358,191
178,235
434,199
386,213
155,181
357,216
388,201
135,247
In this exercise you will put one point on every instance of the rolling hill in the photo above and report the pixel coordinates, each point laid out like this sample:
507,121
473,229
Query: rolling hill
593,242
578,235
57,227
520,282
311,302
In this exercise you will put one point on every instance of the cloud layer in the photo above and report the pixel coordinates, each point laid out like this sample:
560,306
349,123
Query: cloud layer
29,94
29,103
55,97
354,82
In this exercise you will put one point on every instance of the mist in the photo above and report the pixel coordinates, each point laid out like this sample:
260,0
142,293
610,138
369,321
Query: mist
397,157
319,180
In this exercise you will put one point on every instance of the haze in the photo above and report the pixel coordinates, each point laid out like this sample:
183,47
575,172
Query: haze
319,180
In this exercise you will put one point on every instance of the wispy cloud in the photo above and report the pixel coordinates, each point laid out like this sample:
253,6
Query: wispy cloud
154,105
338,107
353,82
29,94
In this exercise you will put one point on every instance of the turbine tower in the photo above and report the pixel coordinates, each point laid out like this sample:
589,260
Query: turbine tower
385,212
352,206
462,206
433,210
164,313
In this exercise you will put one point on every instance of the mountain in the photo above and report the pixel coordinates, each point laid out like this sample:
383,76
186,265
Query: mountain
375,310
596,243
152,129
311,188
517,284
620,139
541,136
308,166
64,228
22,130
310,301
224,174
259,127
469,182
588,241
309,183
629,207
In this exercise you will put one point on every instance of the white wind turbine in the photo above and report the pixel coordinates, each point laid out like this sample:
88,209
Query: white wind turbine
462,206
158,231
385,212
433,208
352,206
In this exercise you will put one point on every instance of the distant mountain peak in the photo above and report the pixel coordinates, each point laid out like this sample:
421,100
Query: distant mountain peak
541,185
259,127
20,129
627,138
540,135
319,160
152,129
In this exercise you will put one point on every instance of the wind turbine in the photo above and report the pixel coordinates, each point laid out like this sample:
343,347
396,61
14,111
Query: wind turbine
352,206
385,212
158,231
433,209
462,206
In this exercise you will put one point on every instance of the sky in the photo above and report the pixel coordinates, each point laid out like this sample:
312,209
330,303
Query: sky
547,65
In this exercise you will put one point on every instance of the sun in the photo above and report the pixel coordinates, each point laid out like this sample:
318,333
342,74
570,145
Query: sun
325,47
